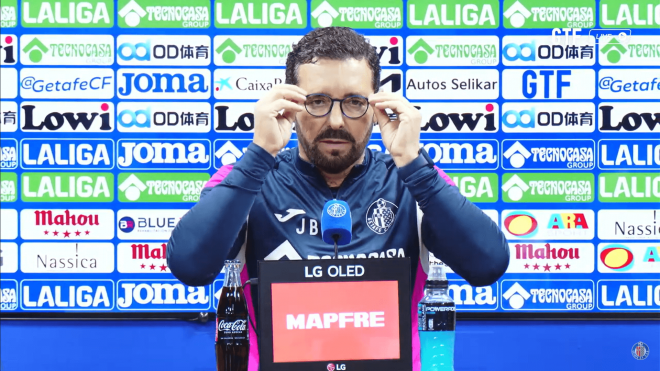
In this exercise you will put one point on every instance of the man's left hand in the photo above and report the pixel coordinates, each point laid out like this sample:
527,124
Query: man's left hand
401,135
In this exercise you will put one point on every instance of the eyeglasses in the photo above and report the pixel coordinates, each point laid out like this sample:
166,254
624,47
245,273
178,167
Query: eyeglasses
319,105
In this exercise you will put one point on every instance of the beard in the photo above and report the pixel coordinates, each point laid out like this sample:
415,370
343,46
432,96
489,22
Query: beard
335,162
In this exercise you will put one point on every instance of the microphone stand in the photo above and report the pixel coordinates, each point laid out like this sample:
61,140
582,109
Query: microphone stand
335,237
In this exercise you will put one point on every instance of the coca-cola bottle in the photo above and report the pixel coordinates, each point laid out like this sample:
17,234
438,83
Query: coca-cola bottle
232,342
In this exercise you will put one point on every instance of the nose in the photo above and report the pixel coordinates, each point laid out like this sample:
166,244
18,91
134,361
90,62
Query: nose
335,117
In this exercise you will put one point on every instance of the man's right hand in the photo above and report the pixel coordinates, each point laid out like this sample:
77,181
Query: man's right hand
272,129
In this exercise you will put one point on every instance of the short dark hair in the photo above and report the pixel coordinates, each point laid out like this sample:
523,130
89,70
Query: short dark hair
336,43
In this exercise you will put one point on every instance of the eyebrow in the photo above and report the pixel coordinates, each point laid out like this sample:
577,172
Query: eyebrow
345,95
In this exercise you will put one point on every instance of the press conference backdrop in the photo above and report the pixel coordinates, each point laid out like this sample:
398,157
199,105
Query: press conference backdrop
114,114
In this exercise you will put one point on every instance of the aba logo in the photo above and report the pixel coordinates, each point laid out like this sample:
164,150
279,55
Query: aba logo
380,215
521,223
126,224
617,257
640,351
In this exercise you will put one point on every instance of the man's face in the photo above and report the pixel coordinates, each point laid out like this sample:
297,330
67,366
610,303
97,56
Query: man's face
334,142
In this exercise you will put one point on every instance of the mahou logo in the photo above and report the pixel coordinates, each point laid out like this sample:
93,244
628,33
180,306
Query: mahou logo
65,224
238,325
67,116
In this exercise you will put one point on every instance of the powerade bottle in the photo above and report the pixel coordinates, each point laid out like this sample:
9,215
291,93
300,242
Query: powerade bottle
437,323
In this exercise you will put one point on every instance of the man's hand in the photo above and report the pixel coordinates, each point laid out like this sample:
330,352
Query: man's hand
400,136
272,126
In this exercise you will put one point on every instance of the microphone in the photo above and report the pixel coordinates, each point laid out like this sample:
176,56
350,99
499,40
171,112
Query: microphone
336,223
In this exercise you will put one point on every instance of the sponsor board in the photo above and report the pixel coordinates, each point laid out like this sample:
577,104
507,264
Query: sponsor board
459,117
67,13
67,50
262,50
548,295
147,224
390,49
67,83
8,46
8,187
453,14
44,257
67,154
629,84
8,224
163,14
67,187
548,154
635,51
163,117
163,154
9,12
143,83
227,151
629,187
548,117
8,153
546,257
629,14
159,50
626,117
369,14
8,119
544,51
548,224
460,154
629,295
160,187
477,187
629,257
452,50
245,83
9,295
548,187
8,257
83,295
233,117
452,84
541,14
142,257
629,154
67,224
260,14
67,117
9,86
629,224
470,298
217,288
549,84
157,295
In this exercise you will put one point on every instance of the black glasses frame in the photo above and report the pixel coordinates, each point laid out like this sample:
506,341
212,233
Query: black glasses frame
341,105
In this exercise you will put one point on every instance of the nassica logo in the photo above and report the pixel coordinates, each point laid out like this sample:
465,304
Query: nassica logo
452,84
67,50
8,48
629,224
548,224
67,187
8,154
543,51
381,14
46,117
261,14
8,119
549,84
67,154
245,83
66,295
68,14
67,224
8,294
551,257
548,154
163,14
631,187
540,14
629,295
163,84
233,117
548,295
452,50
548,117
630,53
262,50
155,50
459,117
630,154
426,14
548,187
67,83
142,257
147,224
160,117
622,117
157,295
629,258
40,257
164,154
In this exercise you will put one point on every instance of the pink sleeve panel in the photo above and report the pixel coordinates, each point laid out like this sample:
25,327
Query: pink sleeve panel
219,176
444,176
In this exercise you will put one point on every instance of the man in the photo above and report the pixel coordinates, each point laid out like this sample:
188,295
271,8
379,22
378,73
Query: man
267,206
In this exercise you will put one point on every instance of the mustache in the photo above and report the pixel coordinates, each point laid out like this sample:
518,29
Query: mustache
334,134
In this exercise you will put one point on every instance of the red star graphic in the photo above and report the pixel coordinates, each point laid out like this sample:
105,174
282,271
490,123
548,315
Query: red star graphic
536,267
77,233
546,267
86,233
568,266
46,233
55,233
141,266
526,266
67,234
163,268
558,267
152,267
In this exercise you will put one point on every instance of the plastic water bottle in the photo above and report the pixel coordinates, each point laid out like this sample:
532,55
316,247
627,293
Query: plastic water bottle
437,323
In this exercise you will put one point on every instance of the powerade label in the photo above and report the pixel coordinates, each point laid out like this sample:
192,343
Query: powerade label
436,316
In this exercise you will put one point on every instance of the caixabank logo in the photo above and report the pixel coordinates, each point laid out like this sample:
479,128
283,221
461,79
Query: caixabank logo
548,154
164,154
544,51
629,295
626,117
163,14
48,117
158,50
83,295
629,154
67,154
459,117
163,117
452,50
67,14
270,14
548,117
67,50
548,295
163,84
548,224
158,295
453,14
632,257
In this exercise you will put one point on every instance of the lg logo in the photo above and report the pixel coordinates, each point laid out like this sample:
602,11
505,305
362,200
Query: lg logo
333,367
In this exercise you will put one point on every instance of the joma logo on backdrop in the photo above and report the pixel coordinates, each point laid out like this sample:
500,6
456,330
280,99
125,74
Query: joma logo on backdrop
151,83
164,154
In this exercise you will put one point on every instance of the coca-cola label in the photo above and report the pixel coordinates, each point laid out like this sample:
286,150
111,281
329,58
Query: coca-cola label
229,329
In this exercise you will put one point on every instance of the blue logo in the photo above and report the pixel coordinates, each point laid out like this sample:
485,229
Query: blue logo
68,153
222,83
640,351
8,295
525,51
8,154
140,118
544,295
629,154
165,295
139,51
548,154
126,224
66,295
